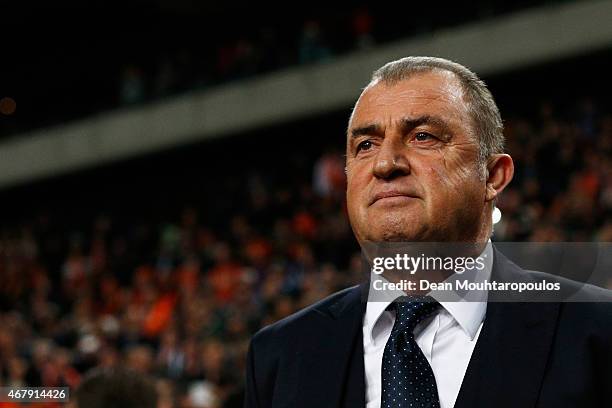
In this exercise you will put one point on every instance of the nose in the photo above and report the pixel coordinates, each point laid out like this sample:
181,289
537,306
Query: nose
391,160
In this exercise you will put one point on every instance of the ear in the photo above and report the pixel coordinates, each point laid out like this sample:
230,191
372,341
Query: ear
500,169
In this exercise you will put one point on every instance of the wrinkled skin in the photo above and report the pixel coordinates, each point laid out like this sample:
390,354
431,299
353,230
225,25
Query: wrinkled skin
412,164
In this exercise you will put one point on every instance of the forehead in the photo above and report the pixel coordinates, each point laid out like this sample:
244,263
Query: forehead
436,93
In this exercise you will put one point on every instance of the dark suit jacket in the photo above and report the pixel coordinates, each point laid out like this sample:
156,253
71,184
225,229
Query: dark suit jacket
547,355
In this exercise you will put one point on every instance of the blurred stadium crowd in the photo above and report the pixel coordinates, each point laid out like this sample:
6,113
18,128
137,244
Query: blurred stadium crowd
163,48
299,40
179,301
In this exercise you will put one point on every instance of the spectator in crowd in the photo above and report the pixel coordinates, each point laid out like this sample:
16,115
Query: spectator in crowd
117,388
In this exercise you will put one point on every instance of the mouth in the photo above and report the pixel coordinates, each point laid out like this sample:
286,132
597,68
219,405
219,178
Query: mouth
392,197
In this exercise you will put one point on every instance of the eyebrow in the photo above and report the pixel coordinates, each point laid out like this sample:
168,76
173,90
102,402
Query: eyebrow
406,124
372,129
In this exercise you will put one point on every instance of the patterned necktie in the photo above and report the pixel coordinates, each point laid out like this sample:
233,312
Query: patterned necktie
407,378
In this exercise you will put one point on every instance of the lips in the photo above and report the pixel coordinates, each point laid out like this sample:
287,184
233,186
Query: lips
391,193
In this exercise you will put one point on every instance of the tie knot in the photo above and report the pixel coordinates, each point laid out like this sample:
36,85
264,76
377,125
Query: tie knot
411,310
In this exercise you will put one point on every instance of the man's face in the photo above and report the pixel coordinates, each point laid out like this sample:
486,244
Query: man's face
412,167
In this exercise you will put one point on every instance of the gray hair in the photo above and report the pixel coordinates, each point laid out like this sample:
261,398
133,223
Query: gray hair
486,120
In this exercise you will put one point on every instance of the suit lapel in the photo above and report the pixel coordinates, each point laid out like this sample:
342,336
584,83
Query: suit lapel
330,363
509,360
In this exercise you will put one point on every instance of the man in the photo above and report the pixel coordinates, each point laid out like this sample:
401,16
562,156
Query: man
425,163
117,388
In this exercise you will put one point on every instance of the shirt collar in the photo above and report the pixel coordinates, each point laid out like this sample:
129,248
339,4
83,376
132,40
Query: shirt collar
468,314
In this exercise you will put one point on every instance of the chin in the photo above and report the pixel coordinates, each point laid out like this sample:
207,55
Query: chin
397,233
388,225
400,237
396,228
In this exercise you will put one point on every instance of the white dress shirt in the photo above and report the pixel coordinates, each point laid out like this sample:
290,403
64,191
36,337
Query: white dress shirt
447,339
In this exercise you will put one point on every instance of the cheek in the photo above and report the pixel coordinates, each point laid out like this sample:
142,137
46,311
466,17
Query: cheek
357,179
357,195
457,168
451,179
441,180
355,186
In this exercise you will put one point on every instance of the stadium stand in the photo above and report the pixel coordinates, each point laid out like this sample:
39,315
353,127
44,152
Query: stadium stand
163,48
167,263
176,293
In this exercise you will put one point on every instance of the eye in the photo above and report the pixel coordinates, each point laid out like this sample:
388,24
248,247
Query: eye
365,145
423,137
